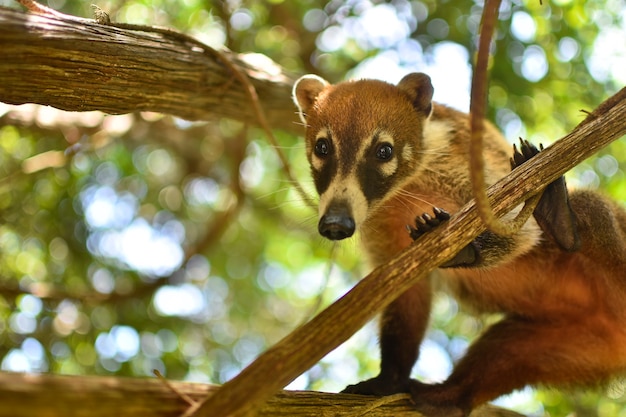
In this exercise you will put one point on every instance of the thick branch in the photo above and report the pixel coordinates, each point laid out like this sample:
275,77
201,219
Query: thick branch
308,344
82,65
24,395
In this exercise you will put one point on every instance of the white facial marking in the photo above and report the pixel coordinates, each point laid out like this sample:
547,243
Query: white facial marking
407,152
349,190
389,168
436,134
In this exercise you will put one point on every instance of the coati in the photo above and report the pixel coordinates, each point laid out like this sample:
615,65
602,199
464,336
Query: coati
381,156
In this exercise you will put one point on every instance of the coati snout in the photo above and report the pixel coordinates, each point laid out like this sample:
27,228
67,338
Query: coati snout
337,223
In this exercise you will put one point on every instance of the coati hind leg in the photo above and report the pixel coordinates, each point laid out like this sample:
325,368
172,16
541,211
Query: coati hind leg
516,352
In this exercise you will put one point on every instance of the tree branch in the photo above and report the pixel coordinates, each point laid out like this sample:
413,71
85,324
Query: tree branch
79,65
24,395
306,345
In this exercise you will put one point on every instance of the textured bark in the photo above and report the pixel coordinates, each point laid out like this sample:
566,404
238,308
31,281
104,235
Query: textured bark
81,65
84,65
76,396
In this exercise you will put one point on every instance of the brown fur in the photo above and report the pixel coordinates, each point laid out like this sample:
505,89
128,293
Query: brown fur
564,312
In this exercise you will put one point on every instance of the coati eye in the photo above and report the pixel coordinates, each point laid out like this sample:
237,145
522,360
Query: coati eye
322,147
384,152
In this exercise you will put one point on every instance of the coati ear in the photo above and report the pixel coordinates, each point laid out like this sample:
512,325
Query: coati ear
305,92
418,88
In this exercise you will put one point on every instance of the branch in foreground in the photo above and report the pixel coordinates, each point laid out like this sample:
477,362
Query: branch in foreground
79,65
23,395
308,344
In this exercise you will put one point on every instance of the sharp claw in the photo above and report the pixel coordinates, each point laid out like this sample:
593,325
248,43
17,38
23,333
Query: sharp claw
441,214
426,222
525,152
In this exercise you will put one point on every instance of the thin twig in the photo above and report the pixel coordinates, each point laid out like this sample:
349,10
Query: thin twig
172,388
260,115
330,265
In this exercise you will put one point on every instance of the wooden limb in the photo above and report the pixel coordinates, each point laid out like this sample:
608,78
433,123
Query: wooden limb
236,71
305,346
27,395
79,65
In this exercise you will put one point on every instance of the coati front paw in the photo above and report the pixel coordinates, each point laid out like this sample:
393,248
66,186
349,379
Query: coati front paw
467,256
425,223
553,212
526,151
378,386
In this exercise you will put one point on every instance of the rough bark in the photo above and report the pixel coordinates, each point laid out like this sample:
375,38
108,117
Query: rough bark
89,66
308,344
83,65
23,395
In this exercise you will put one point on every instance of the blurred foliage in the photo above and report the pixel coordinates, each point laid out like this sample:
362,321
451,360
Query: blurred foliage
139,242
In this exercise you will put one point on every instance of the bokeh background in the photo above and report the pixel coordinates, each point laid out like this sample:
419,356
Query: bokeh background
138,242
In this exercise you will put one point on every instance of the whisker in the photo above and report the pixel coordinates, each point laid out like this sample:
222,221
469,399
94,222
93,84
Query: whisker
408,204
369,228
309,197
300,146
295,205
330,265
305,125
306,222
288,181
413,196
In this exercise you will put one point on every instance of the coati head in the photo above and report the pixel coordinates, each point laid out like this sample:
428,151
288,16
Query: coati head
363,140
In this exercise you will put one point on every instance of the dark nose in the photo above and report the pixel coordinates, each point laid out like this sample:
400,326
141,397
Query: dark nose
337,223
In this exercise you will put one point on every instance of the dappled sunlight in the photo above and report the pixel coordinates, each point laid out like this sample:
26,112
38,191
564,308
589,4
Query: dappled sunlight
185,300
136,242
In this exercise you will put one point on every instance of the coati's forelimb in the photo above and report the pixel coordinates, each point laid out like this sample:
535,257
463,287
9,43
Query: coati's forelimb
425,223
553,212
403,325
485,249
